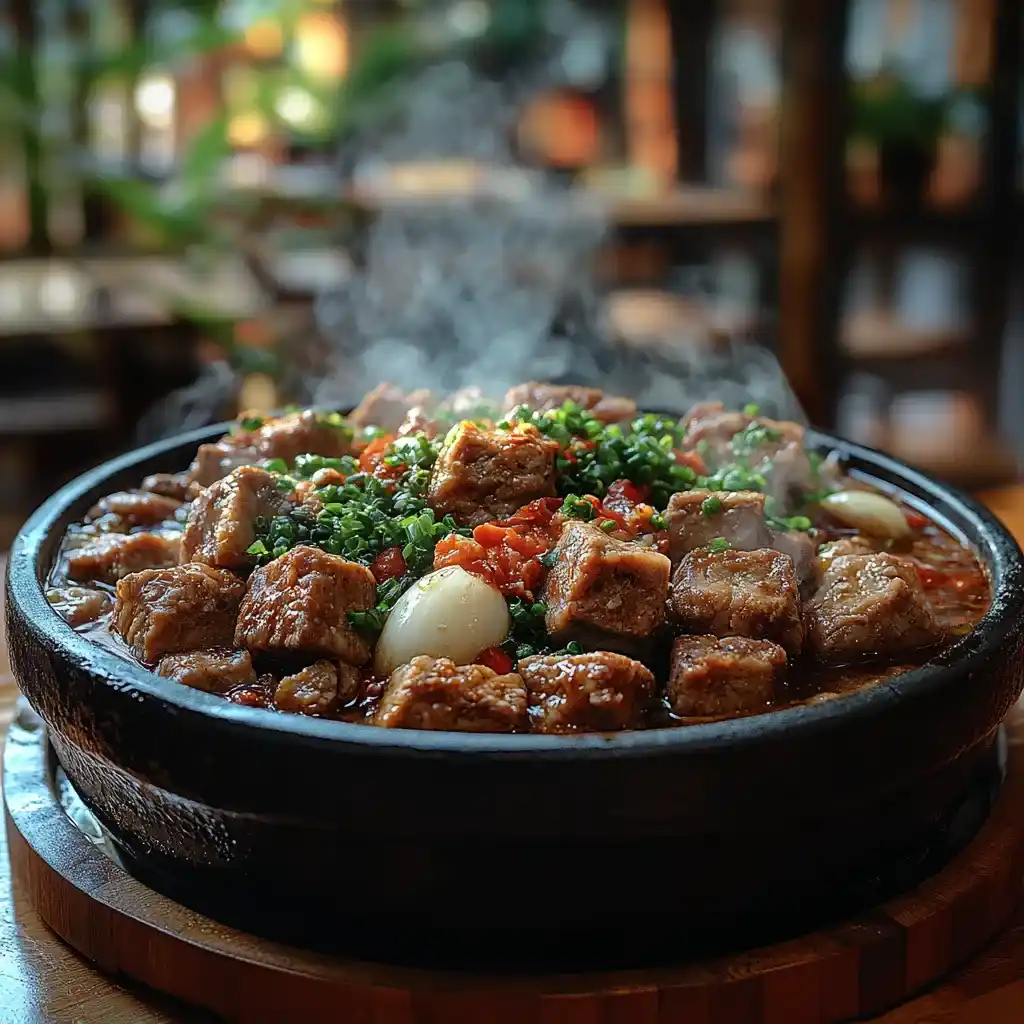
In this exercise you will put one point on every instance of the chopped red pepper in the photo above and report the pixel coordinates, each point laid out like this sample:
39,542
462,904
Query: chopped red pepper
388,565
693,460
371,460
626,491
915,520
495,658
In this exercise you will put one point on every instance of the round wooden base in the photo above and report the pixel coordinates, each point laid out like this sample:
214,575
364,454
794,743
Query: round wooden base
851,970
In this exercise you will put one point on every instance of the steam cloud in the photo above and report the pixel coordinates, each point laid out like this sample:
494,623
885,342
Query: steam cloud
498,289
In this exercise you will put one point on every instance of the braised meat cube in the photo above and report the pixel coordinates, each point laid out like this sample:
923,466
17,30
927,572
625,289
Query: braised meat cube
548,397
869,605
112,556
435,693
221,523
739,593
136,508
301,601
419,421
853,545
171,485
605,591
710,425
596,692
713,676
489,474
319,689
696,518
168,611
386,406
79,605
215,671
302,433
803,550
213,462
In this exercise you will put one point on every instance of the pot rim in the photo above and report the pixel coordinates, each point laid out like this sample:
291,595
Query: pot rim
955,665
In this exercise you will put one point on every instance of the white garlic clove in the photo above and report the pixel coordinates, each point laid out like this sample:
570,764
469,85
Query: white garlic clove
871,513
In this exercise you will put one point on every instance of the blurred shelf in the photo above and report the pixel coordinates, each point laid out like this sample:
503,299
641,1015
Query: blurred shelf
986,464
55,412
662,318
431,185
917,218
689,205
60,294
880,335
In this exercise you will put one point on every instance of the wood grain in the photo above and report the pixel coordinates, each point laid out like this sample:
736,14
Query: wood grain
43,980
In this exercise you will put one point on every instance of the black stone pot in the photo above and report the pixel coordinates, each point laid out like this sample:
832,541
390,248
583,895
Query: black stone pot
511,851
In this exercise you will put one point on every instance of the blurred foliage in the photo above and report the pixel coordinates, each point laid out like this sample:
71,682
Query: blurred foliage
887,109
190,211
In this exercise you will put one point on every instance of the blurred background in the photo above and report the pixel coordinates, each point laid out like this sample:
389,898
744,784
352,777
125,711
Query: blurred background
185,188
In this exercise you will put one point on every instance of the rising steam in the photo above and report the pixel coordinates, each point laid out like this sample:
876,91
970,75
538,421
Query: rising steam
497,289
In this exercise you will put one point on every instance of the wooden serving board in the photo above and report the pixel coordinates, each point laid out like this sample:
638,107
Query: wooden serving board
854,969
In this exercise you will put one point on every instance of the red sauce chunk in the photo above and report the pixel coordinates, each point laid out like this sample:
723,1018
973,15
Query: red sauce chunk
388,565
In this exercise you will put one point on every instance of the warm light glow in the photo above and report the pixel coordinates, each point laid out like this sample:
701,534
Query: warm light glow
322,45
258,393
264,39
154,100
297,107
247,129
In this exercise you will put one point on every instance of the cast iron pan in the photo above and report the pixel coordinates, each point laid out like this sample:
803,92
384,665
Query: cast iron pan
525,851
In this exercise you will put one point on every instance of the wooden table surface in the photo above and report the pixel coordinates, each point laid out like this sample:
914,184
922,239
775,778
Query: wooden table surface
42,980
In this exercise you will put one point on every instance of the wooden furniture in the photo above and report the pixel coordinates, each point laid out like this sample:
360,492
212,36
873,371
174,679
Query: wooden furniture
44,982
858,352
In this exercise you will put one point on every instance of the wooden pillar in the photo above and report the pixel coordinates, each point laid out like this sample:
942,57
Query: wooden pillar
691,24
811,199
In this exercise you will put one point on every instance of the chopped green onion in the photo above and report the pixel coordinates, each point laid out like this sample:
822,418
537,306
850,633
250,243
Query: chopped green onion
608,525
575,507
711,506
718,545
751,409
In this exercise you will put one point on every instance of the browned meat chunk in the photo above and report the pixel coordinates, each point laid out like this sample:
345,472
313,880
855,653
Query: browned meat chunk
79,605
301,601
713,676
696,518
803,550
488,474
435,693
853,545
869,605
548,397
113,556
739,593
215,671
419,421
221,522
710,425
318,689
136,508
303,433
171,485
168,611
603,591
598,692
213,462
386,406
